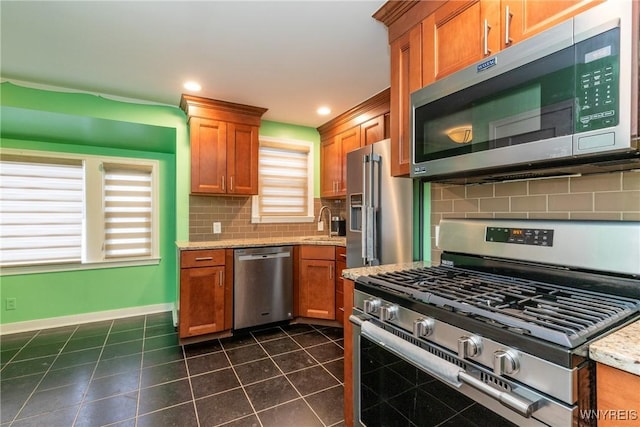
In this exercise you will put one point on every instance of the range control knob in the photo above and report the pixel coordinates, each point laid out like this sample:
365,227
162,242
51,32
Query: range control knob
469,346
388,312
505,362
423,327
372,305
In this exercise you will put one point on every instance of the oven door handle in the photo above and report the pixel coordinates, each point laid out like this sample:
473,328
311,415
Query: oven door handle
440,368
522,406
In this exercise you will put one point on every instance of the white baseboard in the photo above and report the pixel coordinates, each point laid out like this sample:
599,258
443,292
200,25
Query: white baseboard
55,322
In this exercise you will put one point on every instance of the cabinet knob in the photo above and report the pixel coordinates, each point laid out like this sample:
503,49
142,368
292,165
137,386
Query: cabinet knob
223,183
469,346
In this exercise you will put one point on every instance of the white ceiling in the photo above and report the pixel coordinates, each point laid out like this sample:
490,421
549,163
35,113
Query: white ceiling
288,56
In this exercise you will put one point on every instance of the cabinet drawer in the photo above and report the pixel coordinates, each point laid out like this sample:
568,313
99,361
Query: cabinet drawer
201,258
317,252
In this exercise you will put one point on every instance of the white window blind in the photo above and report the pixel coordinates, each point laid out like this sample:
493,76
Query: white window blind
128,210
41,210
283,179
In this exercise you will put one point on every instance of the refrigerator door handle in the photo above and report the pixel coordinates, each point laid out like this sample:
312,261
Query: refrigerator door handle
374,203
365,192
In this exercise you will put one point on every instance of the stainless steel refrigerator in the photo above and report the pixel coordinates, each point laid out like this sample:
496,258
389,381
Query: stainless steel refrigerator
379,209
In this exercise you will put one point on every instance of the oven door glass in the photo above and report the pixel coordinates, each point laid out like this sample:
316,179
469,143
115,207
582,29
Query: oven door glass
395,393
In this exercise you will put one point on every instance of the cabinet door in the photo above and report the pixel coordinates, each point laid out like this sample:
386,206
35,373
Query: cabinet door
208,156
317,289
617,392
348,140
529,17
372,131
453,38
406,77
202,300
330,173
242,159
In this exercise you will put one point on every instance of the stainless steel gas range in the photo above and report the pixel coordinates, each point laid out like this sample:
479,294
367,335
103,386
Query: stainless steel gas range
498,334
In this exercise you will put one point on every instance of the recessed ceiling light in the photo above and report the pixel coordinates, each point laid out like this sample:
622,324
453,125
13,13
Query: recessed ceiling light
192,86
323,111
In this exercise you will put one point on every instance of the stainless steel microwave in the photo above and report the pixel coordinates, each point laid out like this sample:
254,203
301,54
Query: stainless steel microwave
562,102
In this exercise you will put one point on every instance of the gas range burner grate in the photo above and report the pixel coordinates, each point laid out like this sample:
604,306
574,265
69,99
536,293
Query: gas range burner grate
558,314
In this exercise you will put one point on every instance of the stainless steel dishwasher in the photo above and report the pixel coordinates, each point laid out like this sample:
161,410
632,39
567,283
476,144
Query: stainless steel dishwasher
262,286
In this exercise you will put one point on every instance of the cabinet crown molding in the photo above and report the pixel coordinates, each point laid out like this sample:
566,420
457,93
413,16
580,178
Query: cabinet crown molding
195,106
376,105
392,10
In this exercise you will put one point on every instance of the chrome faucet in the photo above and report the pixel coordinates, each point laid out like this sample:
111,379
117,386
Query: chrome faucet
322,209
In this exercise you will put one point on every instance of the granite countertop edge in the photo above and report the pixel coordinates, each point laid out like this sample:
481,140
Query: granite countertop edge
620,349
263,242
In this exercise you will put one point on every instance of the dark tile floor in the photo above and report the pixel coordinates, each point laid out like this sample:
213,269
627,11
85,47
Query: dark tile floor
132,372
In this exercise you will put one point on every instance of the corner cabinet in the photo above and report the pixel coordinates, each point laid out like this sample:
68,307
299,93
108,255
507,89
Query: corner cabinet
206,292
224,146
362,125
430,40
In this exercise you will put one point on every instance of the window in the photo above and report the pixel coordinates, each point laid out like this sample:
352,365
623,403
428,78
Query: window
285,175
127,211
42,206
61,212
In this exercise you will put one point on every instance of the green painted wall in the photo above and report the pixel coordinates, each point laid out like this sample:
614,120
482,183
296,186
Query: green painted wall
300,133
70,122
45,295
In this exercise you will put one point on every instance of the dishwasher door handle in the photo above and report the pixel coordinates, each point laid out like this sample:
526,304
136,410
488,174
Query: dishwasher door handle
264,256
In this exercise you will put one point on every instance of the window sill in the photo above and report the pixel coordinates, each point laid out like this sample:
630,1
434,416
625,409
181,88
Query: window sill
52,268
280,219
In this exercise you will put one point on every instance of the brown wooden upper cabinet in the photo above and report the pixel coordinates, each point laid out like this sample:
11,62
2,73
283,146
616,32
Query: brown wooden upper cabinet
430,40
224,146
362,125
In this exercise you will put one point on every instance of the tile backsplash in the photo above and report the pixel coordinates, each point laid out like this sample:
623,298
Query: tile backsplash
234,214
610,196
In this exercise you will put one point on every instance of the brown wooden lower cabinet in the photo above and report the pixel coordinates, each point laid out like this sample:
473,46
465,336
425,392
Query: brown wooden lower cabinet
341,264
206,292
348,352
618,397
317,282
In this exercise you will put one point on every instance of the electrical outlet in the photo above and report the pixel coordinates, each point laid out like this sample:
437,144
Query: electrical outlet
217,228
321,226
11,303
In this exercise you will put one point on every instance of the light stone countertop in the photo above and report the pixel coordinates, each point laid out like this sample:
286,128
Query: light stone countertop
263,242
620,349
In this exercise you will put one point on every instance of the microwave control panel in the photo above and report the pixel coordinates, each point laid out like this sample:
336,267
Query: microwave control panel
597,81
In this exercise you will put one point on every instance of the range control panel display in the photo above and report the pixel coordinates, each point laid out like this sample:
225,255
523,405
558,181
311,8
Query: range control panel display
521,236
